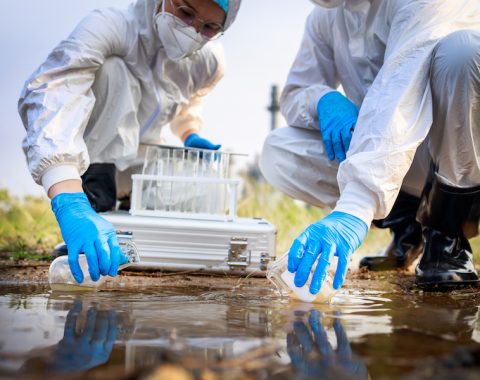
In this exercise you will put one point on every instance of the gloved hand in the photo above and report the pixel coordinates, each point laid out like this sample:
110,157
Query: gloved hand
313,356
338,234
195,141
89,348
85,231
337,117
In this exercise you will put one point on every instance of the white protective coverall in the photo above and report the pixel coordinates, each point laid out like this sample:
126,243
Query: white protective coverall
108,87
412,66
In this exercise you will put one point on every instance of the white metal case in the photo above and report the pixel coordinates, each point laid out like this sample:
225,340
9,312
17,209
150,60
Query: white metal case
183,215
239,246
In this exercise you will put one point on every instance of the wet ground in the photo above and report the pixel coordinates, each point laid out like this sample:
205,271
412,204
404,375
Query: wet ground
185,326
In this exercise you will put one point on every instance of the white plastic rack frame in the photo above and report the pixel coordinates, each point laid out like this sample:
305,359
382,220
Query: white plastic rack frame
185,183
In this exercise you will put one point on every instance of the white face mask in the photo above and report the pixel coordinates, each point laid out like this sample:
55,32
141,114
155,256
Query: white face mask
328,3
179,41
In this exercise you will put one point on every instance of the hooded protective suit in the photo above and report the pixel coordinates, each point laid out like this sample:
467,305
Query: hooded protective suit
380,51
57,100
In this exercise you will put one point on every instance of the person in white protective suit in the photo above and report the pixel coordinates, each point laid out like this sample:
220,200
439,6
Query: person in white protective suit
113,84
400,148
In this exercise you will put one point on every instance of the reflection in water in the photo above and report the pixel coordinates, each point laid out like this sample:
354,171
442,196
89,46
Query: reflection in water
246,333
87,346
312,355
424,327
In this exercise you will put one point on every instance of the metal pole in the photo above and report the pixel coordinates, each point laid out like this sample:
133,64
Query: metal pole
274,107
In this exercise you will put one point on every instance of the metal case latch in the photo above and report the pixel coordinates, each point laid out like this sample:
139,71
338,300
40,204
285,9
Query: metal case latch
128,247
264,260
238,254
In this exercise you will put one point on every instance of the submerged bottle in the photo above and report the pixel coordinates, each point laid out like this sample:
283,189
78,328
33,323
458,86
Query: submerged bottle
283,280
60,277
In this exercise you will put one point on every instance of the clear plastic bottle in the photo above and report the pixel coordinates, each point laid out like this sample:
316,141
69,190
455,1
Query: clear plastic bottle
283,280
61,279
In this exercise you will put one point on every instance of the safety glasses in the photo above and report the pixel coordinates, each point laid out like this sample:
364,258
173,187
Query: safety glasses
186,16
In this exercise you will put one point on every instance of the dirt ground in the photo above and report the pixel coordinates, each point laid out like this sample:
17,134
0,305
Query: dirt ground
36,273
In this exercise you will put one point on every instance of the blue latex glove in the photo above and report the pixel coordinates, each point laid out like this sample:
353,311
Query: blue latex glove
337,117
313,356
195,141
85,231
89,348
338,234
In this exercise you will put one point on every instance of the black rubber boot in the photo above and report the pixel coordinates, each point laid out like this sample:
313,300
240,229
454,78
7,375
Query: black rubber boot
99,185
407,241
60,250
445,214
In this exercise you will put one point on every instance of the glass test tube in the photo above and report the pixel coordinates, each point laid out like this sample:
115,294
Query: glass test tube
193,159
148,186
217,187
210,187
178,195
222,188
163,187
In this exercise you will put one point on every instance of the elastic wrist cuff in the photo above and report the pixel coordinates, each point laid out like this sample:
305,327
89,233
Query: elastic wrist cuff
187,133
58,174
358,201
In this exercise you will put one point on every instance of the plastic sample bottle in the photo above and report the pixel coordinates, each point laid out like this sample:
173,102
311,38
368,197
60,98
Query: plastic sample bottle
61,279
283,280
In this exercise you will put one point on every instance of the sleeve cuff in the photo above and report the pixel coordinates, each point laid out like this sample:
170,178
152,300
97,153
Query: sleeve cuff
181,127
358,201
58,174
187,133
315,99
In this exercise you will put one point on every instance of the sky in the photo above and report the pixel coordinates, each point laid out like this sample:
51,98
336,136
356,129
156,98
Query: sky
259,48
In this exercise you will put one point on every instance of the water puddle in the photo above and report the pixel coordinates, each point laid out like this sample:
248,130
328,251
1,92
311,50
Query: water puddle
241,334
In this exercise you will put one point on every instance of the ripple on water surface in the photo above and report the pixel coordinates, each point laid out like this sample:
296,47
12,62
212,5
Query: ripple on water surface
234,334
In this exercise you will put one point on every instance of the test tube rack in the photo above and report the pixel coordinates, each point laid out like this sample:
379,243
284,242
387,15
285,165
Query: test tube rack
185,183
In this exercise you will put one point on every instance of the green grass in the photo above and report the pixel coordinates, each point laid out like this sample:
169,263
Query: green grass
289,217
28,229
476,249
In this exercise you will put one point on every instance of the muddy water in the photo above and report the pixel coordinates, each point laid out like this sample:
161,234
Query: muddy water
235,334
